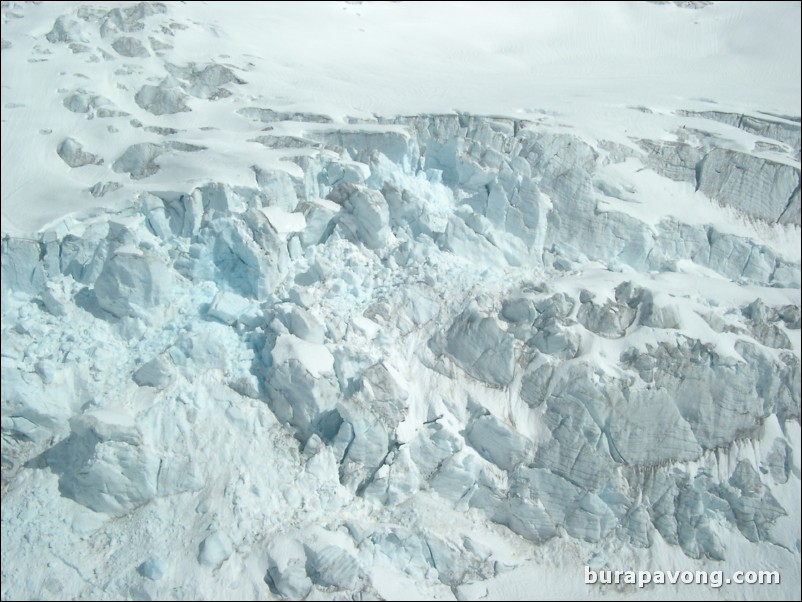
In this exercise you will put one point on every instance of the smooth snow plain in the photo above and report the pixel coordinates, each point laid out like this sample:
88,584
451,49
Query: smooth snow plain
399,300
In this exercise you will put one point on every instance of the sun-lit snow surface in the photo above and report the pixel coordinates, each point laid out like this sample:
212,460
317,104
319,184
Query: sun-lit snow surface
264,337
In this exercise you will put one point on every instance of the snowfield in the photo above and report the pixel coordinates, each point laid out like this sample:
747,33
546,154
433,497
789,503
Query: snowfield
399,300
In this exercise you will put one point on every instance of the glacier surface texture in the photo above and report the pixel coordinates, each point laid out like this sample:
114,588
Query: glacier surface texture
431,354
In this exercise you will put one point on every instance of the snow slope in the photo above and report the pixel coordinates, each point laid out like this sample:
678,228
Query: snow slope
394,300
578,65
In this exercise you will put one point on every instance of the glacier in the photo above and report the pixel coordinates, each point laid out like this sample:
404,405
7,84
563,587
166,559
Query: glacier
420,353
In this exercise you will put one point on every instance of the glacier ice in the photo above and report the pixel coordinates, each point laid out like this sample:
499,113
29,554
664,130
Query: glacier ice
206,280
130,47
214,550
162,99
480,347
74,155
416,349
769,187
133,282
155,373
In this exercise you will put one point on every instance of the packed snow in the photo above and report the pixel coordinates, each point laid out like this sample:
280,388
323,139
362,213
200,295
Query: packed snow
394,300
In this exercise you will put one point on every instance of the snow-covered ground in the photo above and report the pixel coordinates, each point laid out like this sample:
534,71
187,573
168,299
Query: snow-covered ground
399,299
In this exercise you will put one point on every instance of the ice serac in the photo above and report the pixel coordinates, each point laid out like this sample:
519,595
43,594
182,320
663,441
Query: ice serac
153,568
214,550
130,47
775,128
481,348
760,188
612,319
305,388
92,105
155,373
103,464
162,99
332,566
22,267
205,81
286,571
496,442
73,154
139,160
247,252
365,217
133,282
